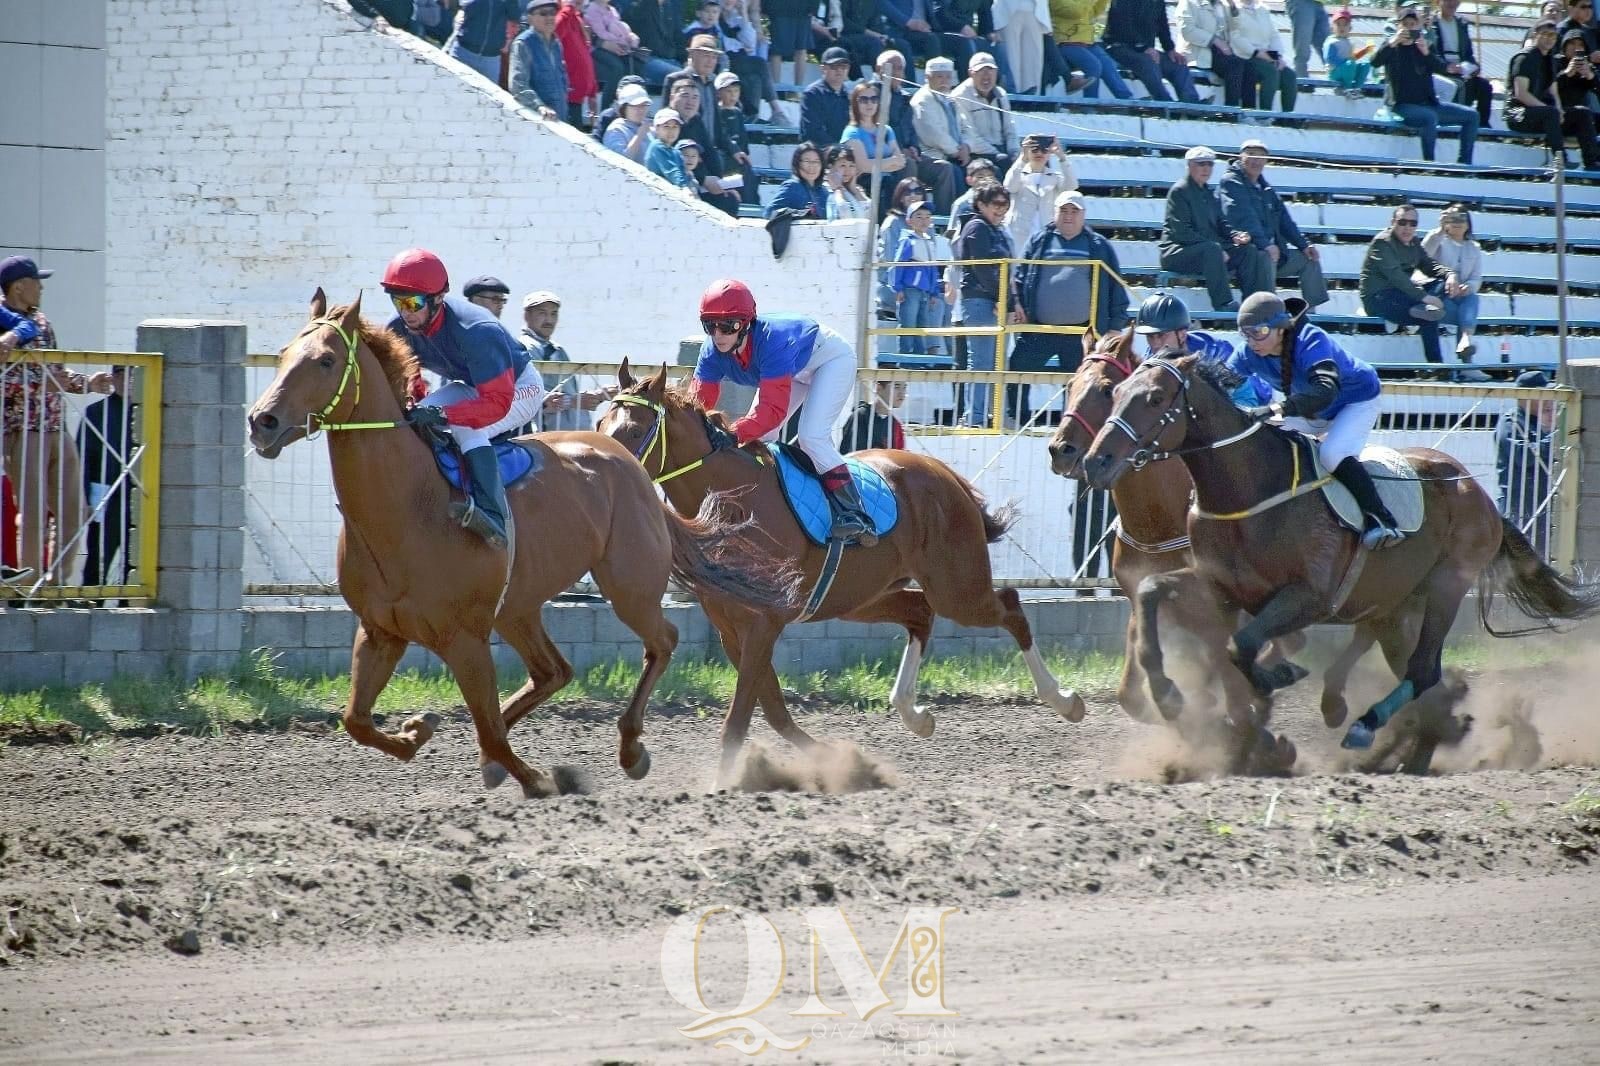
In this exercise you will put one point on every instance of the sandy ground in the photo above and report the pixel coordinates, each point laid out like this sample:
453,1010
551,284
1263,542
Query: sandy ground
287,897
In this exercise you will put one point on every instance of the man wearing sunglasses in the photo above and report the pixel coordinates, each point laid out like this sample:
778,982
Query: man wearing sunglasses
794,362
1388,287
490,387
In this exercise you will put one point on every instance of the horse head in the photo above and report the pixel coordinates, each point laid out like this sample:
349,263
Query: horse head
1151,411
660,426
1089,399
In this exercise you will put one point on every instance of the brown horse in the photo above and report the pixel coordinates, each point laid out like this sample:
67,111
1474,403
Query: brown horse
411,574
1290,563
940,542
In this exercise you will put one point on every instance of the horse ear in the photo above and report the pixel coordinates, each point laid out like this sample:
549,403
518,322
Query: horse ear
655,386
352,316
624,375
319,304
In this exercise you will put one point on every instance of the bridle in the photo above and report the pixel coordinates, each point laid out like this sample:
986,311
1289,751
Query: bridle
656,439
1143,455
352,373
1123,366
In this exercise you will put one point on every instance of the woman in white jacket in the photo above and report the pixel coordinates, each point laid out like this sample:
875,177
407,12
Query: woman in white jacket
1253,36
1021,26
1452,246
1203,37
1040,172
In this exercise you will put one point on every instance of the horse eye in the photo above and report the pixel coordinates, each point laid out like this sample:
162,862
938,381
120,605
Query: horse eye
1105,388
1155,399
327,362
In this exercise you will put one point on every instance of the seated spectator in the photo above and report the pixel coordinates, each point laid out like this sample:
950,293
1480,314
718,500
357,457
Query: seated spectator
962,26
583,88
1347,66
705,54
481,34
936,173
747,57
488,292
628,133
825,105
874,424
661,157
707,181
871,139
657,27
1533,107
804,190
706,23
1450,38
1041,173
1254,37
1409,66
538,69
618,51
909,21
1575,81
1389,289
983,238
826,25
979,172
845,198
1276,250
1308,25
685,100
1078,43
918,290
1194,238
1581,17
866,35
733,144
1524,441
987,109
1203,33
789,23
1139,37
1452,247
942,133
1021,26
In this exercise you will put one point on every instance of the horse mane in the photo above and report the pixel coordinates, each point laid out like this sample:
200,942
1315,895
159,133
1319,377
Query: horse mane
394,355
1216,374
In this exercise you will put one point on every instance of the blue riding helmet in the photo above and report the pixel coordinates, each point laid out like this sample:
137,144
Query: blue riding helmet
1161,313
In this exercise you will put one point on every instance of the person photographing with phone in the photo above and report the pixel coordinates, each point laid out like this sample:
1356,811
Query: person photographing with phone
1409,65
1533,104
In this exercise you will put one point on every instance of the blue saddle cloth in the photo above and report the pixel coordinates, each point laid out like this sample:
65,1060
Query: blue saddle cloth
810,504
515,461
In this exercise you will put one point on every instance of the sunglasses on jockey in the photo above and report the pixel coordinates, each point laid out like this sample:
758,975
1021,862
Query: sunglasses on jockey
728,326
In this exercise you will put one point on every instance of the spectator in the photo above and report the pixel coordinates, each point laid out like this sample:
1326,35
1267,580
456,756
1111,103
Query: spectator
1203,30
1388,287
1575,83
707,184
936,173
628,133
845,198
1533,107
538,69
983,238
1276,250
704,56
733,144
1524,442
987,109
706,23
685,100
433,22
1021,26
871,139
1452,247
909,21
565,405
1078,42
804,190
1450,38
1347,68
1061,296
481,33
942,132
979,172
919,290
747,57
865,34
1040,174
1580,17
789,22
1409,66
661,157
39,456
618,51
1194,238
874,424
1308,23
488,292
583,88
1551,10
961,25
1134,29
825,106
105,441
657,28
1254,38
890,231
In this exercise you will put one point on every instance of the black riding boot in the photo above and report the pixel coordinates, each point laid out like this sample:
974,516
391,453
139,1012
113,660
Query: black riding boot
850,522
1382,530
485,513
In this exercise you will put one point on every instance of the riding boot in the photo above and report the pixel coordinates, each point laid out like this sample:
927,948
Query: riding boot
850,522
485,513
1381,528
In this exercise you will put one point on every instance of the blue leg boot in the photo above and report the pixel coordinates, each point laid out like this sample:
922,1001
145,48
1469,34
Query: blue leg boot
1359,736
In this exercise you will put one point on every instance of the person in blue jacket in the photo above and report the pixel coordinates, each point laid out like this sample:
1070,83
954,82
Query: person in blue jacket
1329,394
490,387
1163,321
806,191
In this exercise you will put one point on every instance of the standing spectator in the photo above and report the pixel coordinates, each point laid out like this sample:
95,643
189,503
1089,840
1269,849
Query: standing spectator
941,129
1388,286
1533,107
918,290
983,238
1255,40
987,109
747,57
1276,250
1021,26
909,20
1452,247
583,88
872,141
1347,67
105,441
656,24
1139,37
825,106
890,230
628,133
538,69
1203,30
804,189
1450,37
481,34
1077,34
1041,173
733,144
433,21
789,22
845,198
979,172
565,406
661,157
1308,22
488,292
1524,450
1409,66
39,457
618,51
874,424
1194,238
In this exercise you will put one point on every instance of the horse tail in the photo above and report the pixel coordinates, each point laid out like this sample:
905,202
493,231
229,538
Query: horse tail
1536,589
998,522
713,552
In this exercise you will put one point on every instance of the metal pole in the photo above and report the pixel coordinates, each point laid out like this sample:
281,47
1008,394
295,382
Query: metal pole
1561,265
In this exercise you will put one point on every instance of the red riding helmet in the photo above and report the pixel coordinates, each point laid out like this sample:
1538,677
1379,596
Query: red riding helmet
416,270
727,298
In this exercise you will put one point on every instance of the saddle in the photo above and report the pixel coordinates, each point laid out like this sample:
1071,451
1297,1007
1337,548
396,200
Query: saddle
516,462
1396,479
809,502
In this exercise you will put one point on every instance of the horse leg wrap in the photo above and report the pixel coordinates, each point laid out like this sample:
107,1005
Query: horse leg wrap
1360,734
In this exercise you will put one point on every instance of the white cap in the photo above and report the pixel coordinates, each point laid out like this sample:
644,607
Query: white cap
629,95
540,296
665,115
1200,154
1254,145
981,60
725,79
941,65
1073,197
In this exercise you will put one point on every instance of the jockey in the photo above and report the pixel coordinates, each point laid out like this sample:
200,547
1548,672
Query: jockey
1330,394
489,387
794,362
1163,321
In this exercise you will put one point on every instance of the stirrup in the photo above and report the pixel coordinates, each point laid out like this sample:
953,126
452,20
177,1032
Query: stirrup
475,519
1381,535
852,528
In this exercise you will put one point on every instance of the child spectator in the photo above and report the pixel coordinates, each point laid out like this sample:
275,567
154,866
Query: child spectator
661,157
1346,66
733,142
874,424
845,198
693,157
918,289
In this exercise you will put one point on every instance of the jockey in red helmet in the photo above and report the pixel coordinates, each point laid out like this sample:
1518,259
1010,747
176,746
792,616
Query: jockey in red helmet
792,361
489,388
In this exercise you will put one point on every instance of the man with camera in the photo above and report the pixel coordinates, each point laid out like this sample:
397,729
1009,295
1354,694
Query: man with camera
1410,64
1533,106
1450,36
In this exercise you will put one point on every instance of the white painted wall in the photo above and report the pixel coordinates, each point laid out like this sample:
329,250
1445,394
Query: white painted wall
251,161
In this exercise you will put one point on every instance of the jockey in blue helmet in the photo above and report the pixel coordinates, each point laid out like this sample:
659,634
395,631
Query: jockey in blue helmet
1163,321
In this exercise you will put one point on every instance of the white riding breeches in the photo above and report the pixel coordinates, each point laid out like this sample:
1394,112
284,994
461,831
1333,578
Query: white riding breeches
526,398
820,392
1342,437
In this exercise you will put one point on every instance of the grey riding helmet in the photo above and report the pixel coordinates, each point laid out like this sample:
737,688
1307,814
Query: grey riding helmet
1263,309
1161,313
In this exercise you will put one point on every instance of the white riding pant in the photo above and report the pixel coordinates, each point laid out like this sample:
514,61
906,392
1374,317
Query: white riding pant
1344,436
526,399
821,391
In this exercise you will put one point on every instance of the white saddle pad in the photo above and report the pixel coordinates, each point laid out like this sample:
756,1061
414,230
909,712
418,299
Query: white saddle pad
1398,486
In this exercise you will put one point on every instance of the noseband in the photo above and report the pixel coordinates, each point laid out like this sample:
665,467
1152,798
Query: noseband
1142,455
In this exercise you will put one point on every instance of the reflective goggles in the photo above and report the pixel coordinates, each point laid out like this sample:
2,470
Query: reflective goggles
408,303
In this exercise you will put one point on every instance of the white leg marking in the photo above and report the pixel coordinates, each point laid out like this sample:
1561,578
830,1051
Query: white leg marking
904,695
1069,704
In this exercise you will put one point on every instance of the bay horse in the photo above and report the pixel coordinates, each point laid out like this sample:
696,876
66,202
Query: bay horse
940,541
1265,541
412,574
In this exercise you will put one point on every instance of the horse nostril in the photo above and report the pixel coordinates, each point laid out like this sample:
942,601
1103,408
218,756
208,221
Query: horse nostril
267,422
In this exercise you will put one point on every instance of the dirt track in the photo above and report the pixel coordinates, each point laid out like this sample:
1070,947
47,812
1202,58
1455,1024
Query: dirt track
342,903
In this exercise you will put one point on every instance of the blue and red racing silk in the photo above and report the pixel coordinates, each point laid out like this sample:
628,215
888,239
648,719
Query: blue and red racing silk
466,343
778,348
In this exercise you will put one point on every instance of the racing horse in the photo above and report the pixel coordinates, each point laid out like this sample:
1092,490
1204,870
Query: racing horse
940,541
412,574
1266,541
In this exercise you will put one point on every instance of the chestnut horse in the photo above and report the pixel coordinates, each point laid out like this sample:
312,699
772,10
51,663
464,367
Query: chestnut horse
411,574
940,542
1290,563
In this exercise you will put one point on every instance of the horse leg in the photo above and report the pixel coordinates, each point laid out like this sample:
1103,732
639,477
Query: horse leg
642,614
1152,592
755,641
373,658
1131,690
909,608
1291,608
548,670
469,660
1334,708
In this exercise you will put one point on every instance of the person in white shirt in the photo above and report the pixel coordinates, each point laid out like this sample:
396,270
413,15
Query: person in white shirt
1040,173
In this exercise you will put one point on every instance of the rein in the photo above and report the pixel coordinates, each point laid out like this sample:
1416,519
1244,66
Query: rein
657,439
352,371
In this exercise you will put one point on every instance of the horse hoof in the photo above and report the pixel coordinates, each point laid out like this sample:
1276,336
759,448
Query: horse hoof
1334,713
421,728
1286,674
1358,738
640,767
571,780
1070,706
918,721
494,775
1285,754
1170,703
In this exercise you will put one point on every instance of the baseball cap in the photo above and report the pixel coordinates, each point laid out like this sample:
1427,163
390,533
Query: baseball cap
1254,145
941,65
688,142
981,60
1345,13
835,55
704,42
1199,154
1545,26
540,296
666,115
630,95
1533,379
18,267
725,79
535,5
918,205
485,283
1074,197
